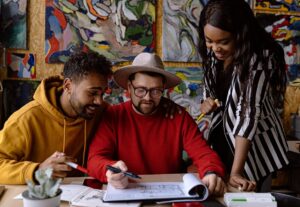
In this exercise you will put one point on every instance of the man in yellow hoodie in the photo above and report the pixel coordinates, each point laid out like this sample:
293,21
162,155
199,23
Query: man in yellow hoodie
56,126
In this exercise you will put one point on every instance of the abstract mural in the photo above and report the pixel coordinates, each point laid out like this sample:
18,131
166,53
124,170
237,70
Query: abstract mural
20,65
286,30
115,94
180,35
189,92
278,5
13,23
117,29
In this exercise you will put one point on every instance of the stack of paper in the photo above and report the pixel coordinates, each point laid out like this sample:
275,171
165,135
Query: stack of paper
250,200
79,195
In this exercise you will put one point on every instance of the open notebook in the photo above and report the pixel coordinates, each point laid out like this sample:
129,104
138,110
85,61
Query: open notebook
191,189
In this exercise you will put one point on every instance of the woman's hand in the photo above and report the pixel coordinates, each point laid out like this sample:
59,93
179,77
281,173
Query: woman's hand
238,181
209,105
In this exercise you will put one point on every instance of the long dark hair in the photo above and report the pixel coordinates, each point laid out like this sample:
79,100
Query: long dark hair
236,17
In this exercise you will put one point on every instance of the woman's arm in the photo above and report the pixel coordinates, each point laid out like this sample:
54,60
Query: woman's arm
236,179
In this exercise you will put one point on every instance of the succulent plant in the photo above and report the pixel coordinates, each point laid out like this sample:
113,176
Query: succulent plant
48,187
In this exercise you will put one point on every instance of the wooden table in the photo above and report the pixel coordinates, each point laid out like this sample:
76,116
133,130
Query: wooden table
13,190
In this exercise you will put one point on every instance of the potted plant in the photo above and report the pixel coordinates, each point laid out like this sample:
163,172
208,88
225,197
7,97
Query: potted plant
46,194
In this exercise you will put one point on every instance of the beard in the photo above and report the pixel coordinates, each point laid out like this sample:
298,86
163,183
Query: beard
140,109
82,110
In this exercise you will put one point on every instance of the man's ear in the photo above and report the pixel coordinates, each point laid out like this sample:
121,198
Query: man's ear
67,85
128,87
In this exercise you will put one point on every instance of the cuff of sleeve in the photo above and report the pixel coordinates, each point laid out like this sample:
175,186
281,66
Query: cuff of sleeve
210,172
29,172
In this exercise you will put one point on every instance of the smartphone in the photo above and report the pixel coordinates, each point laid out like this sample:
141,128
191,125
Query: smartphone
93,183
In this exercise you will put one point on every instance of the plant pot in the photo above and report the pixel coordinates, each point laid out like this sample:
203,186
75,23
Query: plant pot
35,202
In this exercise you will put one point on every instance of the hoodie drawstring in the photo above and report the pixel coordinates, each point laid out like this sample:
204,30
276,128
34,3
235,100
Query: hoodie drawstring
64,142
84,144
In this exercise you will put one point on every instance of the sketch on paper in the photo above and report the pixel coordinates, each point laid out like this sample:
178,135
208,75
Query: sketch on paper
189,92
278,5
20,65
117,29
180,34
13,23
286,30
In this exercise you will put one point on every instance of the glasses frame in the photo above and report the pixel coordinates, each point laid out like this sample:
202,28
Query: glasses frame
150,91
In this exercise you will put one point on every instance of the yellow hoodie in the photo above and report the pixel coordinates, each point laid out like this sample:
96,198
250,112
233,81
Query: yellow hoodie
37,130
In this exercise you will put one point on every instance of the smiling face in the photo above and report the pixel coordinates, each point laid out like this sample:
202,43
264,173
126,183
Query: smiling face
220,42
86,95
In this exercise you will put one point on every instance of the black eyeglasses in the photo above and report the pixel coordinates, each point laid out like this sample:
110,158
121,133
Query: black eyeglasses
141,92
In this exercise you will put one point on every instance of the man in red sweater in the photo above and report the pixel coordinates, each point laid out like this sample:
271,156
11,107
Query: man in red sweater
136,136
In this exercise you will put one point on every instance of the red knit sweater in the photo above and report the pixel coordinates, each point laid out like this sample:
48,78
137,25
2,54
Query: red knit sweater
149,144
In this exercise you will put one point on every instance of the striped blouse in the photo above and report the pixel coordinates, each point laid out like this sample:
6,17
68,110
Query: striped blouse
259,122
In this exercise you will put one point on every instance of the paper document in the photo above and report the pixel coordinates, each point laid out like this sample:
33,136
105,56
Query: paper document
250,200
190,189
80,195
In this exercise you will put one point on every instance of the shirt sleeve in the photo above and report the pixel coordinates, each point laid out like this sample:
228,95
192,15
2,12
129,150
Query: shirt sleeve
101,150
204,158
256,90
14,148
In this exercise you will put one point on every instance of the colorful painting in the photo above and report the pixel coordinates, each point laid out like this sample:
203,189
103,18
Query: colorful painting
278,5
20,65
286,30
180,34
16,93
189,92
115,94
117,29
13,23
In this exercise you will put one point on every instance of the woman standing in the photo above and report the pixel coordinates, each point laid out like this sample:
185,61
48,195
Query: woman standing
245,71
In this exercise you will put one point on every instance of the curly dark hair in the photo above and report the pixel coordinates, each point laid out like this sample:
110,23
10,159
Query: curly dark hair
236,17
81,64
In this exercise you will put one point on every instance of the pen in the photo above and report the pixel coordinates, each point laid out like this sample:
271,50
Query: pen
78,167
117,170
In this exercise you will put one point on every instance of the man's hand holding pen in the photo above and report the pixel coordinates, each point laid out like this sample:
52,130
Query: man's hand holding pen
57,161
117,175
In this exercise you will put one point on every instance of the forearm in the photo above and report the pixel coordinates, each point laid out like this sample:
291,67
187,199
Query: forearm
242,146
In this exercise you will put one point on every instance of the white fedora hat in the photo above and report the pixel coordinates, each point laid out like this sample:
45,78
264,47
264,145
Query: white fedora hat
145,62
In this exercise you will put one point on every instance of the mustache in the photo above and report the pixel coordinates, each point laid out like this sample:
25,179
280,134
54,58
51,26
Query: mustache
146,102
93,105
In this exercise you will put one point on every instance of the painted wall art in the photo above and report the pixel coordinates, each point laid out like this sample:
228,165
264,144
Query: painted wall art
13,23
278,5
189,92
115,94
286,30
117,29
20,65
180,35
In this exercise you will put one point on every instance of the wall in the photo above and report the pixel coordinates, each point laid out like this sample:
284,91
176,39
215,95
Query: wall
36,38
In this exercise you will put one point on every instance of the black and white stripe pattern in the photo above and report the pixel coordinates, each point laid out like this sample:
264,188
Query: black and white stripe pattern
259,122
